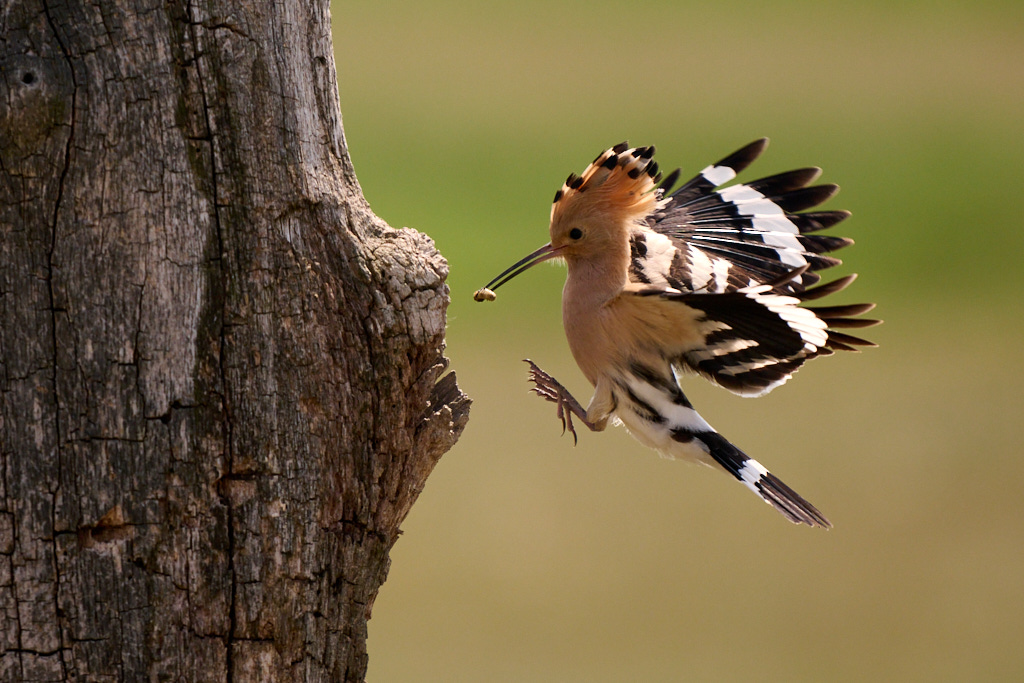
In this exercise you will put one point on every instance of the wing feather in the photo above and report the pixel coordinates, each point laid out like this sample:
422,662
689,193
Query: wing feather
754,338
722,239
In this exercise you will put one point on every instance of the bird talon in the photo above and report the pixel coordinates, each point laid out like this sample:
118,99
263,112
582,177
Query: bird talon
572,430
548,388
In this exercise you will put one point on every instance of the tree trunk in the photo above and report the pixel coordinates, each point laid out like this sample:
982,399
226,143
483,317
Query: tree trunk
220,374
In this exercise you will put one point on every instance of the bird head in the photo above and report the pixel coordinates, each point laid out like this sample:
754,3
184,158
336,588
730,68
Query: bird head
597,209
593,213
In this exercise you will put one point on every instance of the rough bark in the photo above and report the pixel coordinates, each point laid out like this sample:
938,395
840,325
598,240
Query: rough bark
220,374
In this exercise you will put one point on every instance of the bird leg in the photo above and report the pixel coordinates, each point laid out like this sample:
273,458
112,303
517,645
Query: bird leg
550,389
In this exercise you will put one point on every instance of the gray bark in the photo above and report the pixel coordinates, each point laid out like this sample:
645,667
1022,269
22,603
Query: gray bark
220,374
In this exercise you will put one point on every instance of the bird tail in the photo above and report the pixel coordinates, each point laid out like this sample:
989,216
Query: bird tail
754,476
651,405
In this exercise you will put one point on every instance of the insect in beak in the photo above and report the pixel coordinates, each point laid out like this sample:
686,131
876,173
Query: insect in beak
545,253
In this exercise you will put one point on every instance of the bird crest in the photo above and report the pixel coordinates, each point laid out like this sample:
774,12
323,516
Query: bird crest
620,184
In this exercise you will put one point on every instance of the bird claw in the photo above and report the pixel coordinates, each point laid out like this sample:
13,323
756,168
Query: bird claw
548,388
566,418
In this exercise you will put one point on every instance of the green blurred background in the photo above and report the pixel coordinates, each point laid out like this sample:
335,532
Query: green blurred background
526,559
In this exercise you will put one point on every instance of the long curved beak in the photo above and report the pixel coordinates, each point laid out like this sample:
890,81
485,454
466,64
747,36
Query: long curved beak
545,253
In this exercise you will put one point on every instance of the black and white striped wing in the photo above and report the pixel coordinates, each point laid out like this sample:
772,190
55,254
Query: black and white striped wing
756,337
704,239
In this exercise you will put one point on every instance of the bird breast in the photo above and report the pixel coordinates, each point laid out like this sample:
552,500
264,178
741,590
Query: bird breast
611,333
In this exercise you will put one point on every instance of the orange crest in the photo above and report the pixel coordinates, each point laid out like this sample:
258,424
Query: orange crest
619,184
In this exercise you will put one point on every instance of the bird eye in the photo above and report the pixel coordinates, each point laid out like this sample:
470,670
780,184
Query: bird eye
575,233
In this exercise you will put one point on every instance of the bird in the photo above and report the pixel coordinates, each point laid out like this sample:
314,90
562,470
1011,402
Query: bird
709,279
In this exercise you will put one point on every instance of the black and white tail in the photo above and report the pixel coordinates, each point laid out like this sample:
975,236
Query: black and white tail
653,407
754,476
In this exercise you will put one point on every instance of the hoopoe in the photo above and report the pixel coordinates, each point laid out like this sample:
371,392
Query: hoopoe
697,280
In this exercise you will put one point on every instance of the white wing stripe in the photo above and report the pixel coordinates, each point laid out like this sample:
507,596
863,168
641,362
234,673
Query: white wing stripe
700,267
721,269
739,193
774,223
750,202
657,262
722,348
716,175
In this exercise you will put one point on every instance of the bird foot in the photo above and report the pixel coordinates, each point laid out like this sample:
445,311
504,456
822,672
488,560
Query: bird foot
548,388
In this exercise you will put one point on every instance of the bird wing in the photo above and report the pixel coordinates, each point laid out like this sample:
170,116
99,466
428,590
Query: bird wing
704,239
752,339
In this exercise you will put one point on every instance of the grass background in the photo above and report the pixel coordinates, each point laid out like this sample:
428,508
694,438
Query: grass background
527,559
